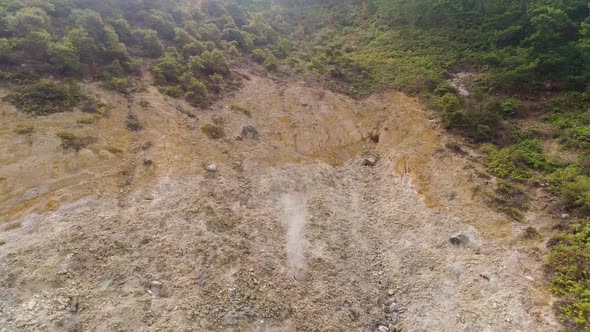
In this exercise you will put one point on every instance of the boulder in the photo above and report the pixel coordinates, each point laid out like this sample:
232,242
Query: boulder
459,239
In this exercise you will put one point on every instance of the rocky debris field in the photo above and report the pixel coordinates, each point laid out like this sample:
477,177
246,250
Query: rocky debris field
306,211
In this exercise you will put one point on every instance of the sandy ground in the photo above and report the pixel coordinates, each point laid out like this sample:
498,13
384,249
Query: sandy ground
293,232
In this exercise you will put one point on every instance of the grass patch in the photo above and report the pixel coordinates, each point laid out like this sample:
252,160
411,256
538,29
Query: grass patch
24,129
113,149
242,109
86,121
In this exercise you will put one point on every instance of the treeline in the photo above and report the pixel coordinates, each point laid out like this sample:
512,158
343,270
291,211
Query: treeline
188,44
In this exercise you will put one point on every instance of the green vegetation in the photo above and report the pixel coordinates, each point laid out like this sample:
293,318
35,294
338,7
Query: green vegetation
569,268
522,62
45,97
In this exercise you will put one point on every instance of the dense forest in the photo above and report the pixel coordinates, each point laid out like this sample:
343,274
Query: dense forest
527,65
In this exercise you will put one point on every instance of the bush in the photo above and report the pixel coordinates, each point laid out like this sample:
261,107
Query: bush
46,97
213,131
172,91
452,115
120,85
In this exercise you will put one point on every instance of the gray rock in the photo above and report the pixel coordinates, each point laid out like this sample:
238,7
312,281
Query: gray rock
155,288
451,195
212,168
73,306
394,307
459,239
383,328
393,317
369,161
250,132
391,292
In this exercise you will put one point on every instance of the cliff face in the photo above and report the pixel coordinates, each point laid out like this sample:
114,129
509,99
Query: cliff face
312,211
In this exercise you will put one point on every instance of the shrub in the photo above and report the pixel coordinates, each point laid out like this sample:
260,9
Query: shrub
120,85
45,97
144,103
172,91
444,88
511,199
451,111
70,141
572,185
133,123
512,107
89,106
516,161
213,131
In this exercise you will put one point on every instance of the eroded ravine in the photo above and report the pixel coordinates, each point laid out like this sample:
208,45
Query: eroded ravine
292,232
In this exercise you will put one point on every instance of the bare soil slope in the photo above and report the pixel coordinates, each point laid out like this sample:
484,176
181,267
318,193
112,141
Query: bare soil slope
292,232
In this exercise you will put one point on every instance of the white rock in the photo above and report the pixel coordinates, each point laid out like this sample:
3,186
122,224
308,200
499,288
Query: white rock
212,168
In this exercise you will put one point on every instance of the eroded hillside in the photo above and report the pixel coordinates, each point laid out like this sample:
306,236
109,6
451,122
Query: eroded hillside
296,229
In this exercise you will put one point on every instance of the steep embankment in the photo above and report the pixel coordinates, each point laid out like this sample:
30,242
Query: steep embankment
292,232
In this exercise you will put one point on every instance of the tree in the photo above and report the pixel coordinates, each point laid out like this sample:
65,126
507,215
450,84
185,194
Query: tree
27,20
149,41
64,59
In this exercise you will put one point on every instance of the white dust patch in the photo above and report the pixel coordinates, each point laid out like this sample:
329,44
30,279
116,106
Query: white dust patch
294,214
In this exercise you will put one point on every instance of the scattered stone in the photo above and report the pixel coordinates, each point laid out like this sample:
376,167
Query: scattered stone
146,146
451,195
484,276
383,328
73,306
370,161
231,291
391,292
147,162
250,132
155,288
459,239
565,216
212,168
394,317
303,103
394,307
